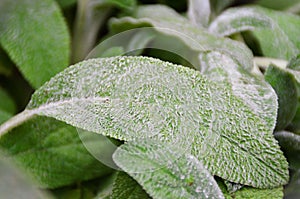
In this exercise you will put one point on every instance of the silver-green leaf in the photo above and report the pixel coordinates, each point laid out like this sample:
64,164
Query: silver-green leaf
169,22
164,172
139,97
277,32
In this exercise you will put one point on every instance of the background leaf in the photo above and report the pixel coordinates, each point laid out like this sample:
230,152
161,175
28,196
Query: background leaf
7,106
127,188
199,12
290,144
52,153
284,84
272,29
252,193
167,21
164,173
14,184
36,38
91,15
138,97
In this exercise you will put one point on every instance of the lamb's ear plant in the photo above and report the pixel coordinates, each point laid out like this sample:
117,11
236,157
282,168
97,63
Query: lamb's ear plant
223,124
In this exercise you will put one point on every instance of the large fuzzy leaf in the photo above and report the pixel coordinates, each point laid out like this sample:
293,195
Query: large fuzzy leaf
138,97
52,153
165,172
273,29
167,21
36,38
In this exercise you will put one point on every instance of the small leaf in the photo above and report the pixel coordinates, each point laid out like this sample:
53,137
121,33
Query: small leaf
52,153
284,85
35,36
138,97
199,12
168,22
164,173
290,144
273,29
14,184
127,188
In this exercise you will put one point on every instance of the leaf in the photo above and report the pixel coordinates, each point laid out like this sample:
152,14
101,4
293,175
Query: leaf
14,184
105,189
35,36
247,87
294,63
91,15
127,188
273,29
287,5
7,106
131,42
290,144
52,153
252,193
164,172
284,85
199,12
168,22
292,191
138,97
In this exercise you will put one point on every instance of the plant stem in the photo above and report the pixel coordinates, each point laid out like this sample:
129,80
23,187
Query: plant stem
16,121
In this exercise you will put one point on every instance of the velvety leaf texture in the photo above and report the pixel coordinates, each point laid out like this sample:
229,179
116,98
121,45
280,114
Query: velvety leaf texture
127,188
165,172
277,32
35,36
139,97
167,21
52,153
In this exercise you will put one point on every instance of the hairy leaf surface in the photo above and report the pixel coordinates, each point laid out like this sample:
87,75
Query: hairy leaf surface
125,187
138,97
52,153
165,172
35,36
